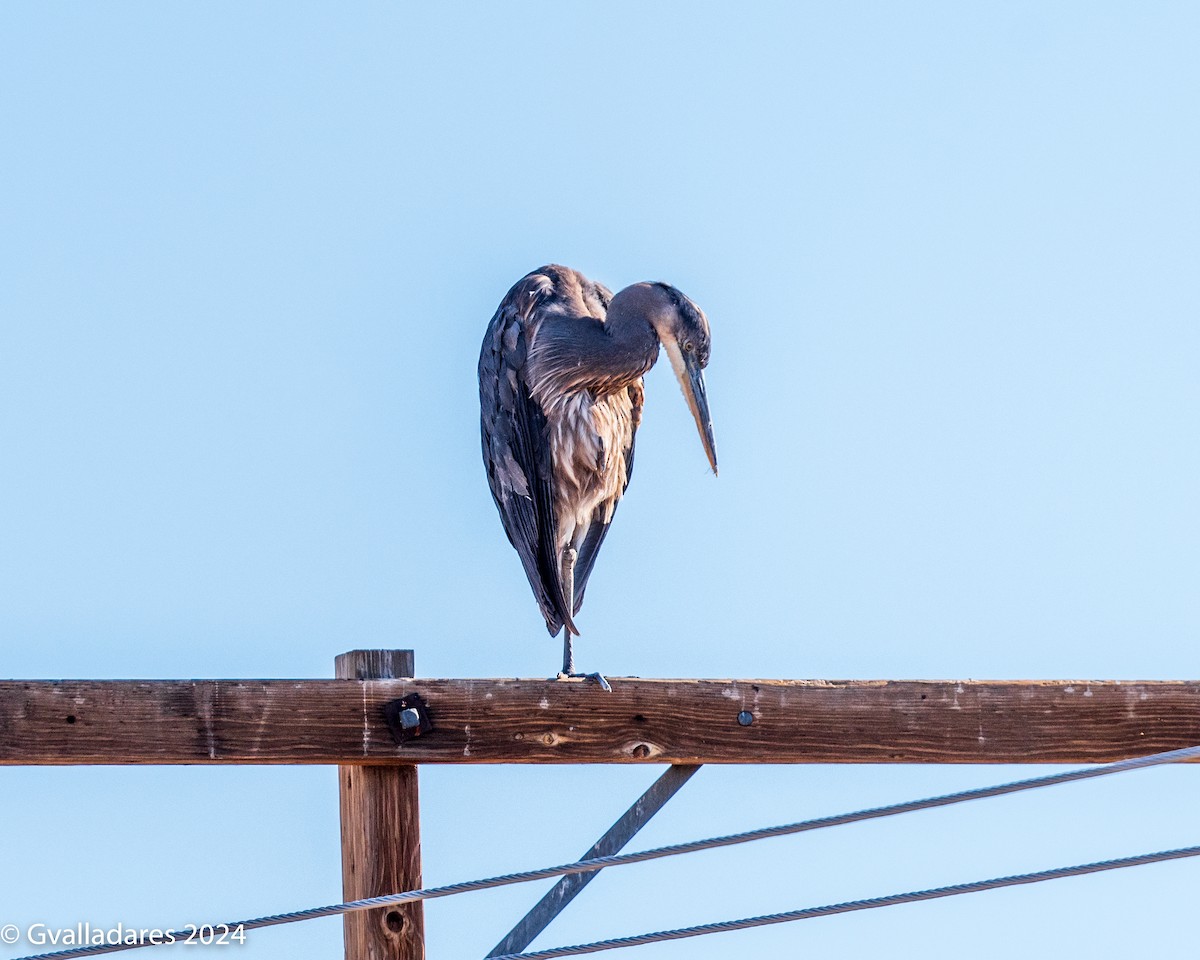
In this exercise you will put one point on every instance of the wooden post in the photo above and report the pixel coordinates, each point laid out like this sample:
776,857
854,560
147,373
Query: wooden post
381,834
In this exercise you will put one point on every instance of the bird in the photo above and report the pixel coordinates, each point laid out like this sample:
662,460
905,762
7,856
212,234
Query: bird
560,396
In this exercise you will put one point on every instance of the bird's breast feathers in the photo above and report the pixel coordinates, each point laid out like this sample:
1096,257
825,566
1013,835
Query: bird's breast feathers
590,439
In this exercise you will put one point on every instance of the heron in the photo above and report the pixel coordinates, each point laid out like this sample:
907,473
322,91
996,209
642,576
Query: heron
560,396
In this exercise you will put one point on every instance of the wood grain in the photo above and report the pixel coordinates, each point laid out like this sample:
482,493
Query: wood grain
381,835
548,721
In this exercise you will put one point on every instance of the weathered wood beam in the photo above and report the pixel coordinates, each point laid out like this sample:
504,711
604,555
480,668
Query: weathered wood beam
547,721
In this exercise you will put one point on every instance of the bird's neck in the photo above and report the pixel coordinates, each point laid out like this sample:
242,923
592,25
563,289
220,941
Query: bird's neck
630,345
585,354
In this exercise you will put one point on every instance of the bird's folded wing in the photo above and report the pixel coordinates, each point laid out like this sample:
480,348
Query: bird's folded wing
516,449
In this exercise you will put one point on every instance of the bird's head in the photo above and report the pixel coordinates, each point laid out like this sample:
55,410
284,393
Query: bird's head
682,329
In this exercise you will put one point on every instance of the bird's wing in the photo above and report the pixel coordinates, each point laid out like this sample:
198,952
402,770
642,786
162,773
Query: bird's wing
600,523
516,449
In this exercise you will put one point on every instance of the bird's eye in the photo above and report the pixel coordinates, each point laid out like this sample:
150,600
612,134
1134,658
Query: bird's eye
688,346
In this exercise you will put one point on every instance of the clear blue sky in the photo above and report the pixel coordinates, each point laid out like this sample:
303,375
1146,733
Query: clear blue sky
949,252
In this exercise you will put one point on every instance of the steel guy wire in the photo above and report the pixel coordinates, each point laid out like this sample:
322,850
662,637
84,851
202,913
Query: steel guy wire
622,859
811,913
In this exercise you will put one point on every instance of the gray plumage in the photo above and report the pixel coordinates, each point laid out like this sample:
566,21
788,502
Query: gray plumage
560,391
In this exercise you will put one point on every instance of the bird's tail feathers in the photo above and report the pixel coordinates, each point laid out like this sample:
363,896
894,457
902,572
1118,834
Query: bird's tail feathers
555,626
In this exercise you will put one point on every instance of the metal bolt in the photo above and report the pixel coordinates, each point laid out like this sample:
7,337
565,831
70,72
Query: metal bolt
745,718
410,719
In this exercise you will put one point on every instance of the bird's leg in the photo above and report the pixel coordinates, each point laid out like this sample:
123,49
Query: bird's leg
568,669
569,556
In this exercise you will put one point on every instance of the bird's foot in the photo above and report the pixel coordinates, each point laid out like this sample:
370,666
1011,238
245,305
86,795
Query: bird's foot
597,678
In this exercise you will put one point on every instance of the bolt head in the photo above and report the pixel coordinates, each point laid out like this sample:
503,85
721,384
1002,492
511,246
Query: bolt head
410,719
745,718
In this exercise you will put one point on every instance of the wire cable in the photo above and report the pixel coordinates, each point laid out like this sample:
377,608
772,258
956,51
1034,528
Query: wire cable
810,913
617,860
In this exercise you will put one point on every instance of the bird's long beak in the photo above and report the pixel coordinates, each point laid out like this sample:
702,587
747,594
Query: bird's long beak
691,381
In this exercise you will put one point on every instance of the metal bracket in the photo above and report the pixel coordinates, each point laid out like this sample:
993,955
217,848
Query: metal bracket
407,718
619,834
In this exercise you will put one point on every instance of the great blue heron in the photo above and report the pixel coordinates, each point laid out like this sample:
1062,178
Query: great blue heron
560,395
